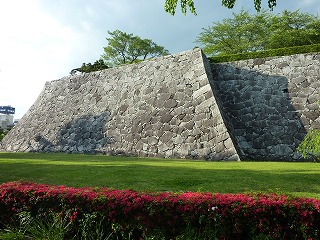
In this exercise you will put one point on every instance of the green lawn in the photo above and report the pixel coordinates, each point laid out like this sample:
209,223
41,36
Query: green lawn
148,174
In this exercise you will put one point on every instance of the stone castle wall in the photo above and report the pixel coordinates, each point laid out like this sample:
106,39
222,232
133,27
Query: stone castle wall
178,106
163,107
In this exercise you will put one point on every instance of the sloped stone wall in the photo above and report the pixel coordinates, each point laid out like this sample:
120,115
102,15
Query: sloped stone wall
269,104
163,107
178,106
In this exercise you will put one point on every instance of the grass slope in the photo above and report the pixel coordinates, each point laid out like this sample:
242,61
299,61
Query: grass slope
148,174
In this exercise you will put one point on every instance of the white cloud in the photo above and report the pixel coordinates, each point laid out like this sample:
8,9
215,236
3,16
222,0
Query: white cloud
31,45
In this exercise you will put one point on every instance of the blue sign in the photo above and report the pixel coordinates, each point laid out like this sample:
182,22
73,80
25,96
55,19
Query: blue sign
7,110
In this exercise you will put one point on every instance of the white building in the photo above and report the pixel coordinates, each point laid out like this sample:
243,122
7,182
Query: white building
6,121
6,116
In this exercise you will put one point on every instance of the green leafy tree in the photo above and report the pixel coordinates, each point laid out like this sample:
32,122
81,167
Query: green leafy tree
294,29
261,31
124,48
242,33
3,133
171,5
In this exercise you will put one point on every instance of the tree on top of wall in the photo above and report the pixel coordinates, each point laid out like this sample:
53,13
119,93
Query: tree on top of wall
124,48
262,31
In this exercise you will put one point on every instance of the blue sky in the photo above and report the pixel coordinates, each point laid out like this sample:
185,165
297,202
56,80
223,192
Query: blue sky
42,40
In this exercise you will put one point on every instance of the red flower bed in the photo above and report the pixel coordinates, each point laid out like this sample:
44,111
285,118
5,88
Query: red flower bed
232,216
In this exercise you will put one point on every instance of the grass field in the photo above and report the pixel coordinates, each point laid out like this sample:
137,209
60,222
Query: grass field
148,174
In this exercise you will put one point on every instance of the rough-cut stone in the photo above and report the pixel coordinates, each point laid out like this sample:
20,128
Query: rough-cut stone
203,90
166,137
166,118
170,103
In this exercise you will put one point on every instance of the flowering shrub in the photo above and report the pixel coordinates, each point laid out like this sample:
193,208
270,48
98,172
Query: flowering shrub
227,216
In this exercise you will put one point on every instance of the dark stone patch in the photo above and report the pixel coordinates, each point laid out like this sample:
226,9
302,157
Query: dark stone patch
123,108
166,118
171,103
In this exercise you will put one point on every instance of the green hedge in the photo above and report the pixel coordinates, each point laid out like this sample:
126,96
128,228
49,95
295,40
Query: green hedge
268,53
